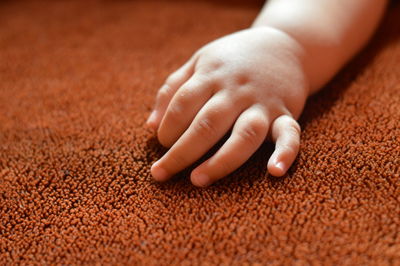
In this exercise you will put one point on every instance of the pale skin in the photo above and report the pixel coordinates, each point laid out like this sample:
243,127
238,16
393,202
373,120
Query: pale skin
254,84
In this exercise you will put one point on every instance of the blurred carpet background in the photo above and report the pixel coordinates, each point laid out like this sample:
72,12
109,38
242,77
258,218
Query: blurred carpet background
77,81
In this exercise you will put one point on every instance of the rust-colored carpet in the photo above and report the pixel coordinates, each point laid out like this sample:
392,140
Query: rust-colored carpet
77,80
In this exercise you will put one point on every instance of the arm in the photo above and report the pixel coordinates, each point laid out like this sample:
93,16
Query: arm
330,31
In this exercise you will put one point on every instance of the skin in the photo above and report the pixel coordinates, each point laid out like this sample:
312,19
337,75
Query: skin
255,83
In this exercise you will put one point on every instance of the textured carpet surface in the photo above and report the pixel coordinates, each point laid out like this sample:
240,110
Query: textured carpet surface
77,81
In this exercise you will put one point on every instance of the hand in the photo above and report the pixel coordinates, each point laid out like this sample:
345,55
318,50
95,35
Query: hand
252,82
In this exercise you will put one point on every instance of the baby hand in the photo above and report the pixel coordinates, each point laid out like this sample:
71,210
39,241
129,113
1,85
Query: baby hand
252,82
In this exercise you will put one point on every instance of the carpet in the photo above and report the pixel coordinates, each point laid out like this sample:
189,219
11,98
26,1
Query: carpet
77,82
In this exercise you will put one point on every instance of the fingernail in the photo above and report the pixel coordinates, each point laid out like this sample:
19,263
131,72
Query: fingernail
280,165
201,180
159,173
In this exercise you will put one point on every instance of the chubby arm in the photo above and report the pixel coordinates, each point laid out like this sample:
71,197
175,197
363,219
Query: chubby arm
330,31
254,84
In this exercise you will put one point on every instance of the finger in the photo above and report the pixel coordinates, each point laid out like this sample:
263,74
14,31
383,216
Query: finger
286,135
183,107
167,91
249,132
210,125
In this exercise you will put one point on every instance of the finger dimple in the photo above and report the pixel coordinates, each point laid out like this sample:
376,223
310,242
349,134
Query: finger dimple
248,134
286,134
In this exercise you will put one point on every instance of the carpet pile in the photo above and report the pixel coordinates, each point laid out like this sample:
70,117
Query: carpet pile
77,81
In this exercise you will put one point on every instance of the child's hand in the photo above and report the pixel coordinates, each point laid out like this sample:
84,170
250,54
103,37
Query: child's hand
251,82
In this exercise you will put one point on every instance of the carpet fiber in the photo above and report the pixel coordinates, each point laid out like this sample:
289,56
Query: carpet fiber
77,81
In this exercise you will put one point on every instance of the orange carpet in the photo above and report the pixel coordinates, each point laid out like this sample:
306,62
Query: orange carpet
77,81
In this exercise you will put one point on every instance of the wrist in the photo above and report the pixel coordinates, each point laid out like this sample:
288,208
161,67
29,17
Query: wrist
297,50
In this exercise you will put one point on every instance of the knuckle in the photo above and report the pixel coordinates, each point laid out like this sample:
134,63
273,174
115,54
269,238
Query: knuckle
190,88
296,127
291,123
173,78
242,79
291,149
295,144
210,63
164,93
174,113
177,159
254,133
206,127
216,64
181,102
226,166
